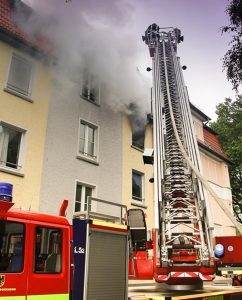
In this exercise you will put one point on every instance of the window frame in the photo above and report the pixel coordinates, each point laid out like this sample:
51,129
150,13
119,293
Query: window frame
141,200
84,155
83,196
12,90
19,170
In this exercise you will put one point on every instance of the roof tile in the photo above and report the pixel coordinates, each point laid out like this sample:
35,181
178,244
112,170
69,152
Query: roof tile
212,141
7,24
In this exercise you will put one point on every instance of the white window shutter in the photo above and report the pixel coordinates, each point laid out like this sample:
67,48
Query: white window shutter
20,75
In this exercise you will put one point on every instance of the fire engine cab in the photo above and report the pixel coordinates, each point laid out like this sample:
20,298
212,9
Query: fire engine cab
34,253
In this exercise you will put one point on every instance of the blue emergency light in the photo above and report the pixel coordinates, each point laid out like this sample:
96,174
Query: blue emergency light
6,191
219,251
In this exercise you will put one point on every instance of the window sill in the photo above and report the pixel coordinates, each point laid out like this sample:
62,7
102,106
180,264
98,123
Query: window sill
88,100
11,171
137,148
138,203
27,98
87,159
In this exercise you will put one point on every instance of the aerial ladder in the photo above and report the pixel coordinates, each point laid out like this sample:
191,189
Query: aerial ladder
182,244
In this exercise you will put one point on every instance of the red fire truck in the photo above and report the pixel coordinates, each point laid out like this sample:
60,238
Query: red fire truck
181,250
45,257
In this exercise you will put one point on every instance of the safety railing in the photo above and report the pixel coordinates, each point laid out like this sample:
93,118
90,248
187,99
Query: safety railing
104,210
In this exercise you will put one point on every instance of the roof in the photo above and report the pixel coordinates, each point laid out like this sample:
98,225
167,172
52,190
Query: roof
212,144
211,140
12,33
203,116
210,129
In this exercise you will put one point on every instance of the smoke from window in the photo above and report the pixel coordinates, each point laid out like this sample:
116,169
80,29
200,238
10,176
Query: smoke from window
95,35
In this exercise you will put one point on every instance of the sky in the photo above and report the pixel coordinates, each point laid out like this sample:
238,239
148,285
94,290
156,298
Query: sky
203,47
118,28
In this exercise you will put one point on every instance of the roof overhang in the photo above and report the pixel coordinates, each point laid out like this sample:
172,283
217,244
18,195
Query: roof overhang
20,43
214,153
198,113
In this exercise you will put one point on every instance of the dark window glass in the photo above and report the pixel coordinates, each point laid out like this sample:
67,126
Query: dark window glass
90,141
10,141
136,186
138,138
12,239
82,192
48,250
89,88
93,94
87,139
82,138
88,193
85,90
13,148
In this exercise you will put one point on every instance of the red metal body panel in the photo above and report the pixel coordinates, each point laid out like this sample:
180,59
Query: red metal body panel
5,206
148,267
34,216
232,249
28,282
39,284
182,275
143,266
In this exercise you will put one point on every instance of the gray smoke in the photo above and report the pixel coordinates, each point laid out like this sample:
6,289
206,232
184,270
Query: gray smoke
95,35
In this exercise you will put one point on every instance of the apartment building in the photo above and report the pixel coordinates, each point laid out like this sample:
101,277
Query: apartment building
24,95
56,143
138,190
83,151
215,169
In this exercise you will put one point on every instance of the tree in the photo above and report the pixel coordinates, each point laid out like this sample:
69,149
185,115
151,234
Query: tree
229,129
232,61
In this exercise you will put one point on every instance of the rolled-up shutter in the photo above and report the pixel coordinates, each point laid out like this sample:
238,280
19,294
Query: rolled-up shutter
107,266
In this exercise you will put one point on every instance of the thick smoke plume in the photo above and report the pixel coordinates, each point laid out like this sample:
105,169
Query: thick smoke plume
93,35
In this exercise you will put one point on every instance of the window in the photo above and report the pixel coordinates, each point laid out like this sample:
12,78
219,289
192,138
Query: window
137,186
19,77
11,145
82,192
48,250
90,88
88,140
138,137
138,124
12,239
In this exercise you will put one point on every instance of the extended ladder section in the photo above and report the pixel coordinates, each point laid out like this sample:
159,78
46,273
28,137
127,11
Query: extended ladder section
184,236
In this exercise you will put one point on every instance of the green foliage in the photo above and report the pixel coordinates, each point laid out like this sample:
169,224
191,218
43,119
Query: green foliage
232,61
229,129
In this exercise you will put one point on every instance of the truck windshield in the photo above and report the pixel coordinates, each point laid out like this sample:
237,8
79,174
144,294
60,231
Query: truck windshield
11,246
